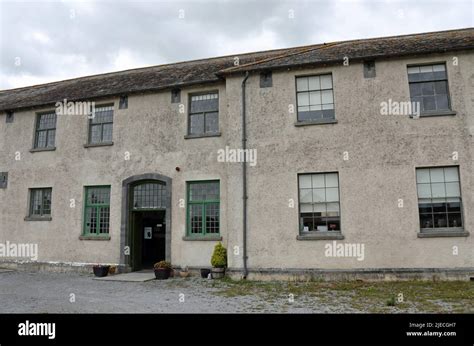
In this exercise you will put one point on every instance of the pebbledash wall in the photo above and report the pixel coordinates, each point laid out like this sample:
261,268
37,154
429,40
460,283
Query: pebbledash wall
382,153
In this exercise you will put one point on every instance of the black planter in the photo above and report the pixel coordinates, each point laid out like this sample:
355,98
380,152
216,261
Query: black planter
162,273
101,271
205,273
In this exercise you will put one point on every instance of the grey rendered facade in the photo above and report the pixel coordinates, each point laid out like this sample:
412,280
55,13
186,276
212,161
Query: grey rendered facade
374,162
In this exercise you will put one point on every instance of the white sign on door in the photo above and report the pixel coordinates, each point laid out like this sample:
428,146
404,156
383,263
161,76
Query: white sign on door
148,232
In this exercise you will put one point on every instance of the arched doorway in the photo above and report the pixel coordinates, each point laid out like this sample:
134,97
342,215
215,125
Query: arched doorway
146,220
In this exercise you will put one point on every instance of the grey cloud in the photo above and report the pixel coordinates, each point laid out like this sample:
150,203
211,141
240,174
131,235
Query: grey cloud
106,35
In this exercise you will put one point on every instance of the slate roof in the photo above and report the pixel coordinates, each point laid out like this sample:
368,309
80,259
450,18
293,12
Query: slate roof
214,69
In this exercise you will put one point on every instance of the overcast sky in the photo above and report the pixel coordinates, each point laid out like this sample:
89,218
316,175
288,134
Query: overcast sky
44,41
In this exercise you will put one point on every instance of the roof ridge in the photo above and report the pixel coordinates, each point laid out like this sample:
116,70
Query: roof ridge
309,49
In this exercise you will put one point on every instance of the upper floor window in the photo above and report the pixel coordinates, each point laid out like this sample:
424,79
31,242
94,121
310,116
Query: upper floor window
315,98
40,203
429,87
203,208
204,114
101,125
439,197
319,202
45,133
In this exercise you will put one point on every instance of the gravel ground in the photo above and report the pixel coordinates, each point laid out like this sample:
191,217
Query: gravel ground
25,292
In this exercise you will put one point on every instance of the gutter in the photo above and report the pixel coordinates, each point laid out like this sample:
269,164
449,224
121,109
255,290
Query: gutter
244,177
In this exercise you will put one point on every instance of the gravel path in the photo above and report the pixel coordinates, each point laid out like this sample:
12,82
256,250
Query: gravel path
25,292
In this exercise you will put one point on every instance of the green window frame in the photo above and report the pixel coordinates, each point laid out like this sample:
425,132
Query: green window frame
45,130
203,208
96,211
101,125
40,202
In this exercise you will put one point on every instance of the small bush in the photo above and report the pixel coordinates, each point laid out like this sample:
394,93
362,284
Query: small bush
219,256
391,301
162,265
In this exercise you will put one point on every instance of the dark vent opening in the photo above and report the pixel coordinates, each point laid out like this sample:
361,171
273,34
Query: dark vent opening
3,180
266,79
369,69
123,104
9,117
176,96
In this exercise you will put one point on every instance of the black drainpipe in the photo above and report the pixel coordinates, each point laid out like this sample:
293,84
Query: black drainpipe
244,176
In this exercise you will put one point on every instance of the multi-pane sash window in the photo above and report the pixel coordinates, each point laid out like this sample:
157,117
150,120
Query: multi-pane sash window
97,210
203,208
40,202
45,130
204,114
429,87
319,202
439,197
101,124
315,98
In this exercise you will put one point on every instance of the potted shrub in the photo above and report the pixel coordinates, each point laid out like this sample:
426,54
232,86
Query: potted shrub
218,261
100,270
162,270
205,272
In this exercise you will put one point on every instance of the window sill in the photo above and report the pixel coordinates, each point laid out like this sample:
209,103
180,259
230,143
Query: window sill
94,237
103,144
38,218
35,150
202,238
315,122
443,232
320,236
203,135
435,114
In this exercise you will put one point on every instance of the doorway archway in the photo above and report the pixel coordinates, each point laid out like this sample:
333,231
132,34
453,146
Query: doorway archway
146,220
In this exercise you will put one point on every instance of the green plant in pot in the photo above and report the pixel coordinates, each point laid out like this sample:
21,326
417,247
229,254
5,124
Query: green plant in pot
218,261
162,270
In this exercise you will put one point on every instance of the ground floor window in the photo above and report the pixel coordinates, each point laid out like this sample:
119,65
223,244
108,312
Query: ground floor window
40,202
319,202
439,197
203,212
97,210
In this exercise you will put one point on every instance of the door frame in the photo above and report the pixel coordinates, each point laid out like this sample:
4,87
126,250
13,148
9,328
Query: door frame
126,223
